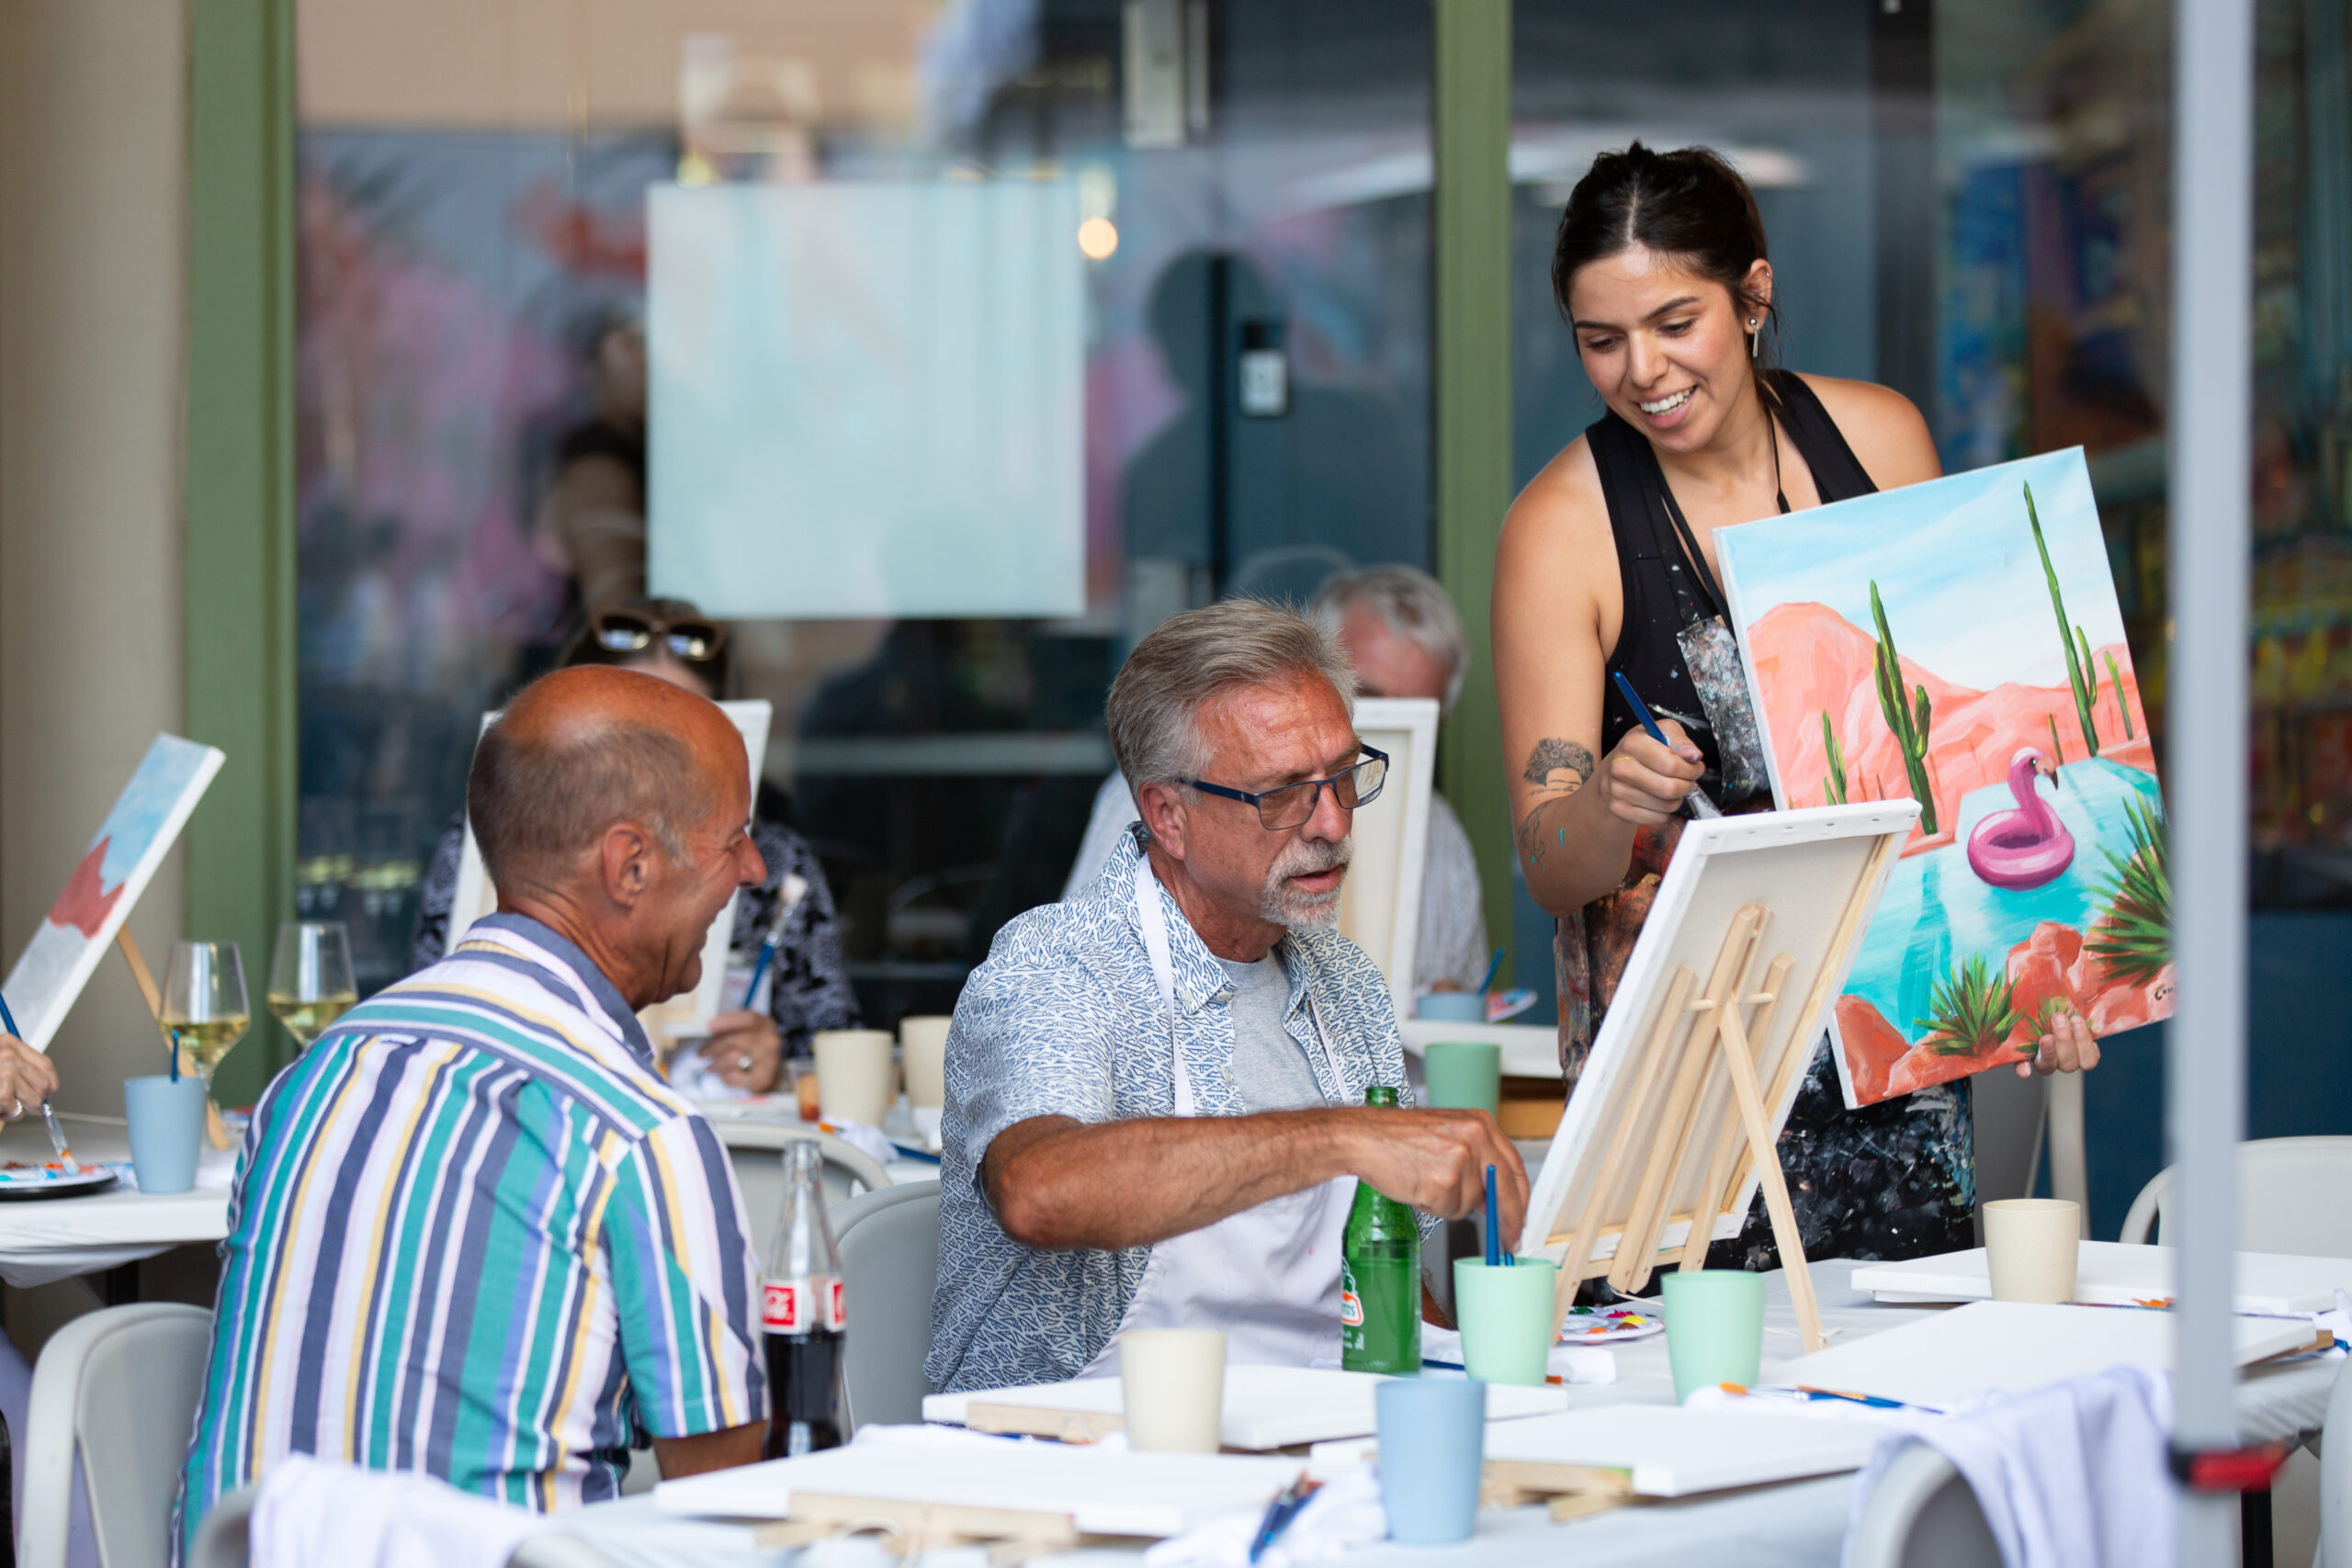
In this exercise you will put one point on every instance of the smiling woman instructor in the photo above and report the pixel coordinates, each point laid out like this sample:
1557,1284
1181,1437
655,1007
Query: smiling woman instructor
1608,565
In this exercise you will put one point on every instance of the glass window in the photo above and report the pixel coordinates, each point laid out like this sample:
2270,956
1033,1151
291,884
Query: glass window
1250,187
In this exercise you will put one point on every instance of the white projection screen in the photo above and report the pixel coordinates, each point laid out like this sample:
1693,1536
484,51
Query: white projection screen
866,400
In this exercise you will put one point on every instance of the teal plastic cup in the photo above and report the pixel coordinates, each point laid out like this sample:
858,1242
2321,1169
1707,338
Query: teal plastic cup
166,1124
1452,1007
1464,1075
1715,1328
1505,1315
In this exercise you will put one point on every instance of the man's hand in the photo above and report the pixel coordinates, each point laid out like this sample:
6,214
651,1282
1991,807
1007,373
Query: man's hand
26,1078
745,1050
1436,1160
2069,1047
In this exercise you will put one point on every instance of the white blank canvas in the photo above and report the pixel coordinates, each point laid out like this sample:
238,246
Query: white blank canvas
1669,1451
2114,1273
1380,902
866,400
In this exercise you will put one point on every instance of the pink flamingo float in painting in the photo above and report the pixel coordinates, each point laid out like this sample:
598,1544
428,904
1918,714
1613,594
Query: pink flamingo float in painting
2030,846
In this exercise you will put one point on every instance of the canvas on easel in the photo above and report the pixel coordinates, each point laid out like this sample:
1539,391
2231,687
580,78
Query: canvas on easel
1706,1044
114,871
685,1016
1380,902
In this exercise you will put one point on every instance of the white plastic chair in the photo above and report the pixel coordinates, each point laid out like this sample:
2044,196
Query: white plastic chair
1921,1514
756,1151
2291,1193
2336,1475
122,1386
889,1243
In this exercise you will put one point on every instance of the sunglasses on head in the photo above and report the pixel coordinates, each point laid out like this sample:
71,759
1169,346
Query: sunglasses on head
631,631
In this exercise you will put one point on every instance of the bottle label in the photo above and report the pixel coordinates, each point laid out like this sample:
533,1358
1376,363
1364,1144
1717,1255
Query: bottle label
1350,1310
801,1306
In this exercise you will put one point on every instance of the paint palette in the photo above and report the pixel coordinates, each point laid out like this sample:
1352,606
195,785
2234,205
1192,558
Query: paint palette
55,1179
1610,1326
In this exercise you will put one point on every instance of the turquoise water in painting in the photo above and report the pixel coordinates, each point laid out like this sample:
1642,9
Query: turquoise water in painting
1936,911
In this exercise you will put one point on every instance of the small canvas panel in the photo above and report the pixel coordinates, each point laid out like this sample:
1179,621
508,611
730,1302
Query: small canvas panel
1380,902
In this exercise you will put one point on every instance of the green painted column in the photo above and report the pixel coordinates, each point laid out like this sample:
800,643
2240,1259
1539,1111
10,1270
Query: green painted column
239,493
1470,114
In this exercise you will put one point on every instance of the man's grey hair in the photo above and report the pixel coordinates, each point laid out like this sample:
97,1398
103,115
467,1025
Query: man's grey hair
1154,712
1412,605
537,807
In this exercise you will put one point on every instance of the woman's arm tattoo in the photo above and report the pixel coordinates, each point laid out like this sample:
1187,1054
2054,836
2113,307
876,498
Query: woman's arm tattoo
1559,766
1552,755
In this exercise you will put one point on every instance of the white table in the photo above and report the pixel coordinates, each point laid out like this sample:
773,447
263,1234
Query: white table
1803,1523
55,1238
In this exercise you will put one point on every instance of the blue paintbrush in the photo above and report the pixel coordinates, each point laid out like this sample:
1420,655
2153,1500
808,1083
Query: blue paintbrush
1697,799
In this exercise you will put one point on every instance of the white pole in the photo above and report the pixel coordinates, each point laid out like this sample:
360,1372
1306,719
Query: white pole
2209,426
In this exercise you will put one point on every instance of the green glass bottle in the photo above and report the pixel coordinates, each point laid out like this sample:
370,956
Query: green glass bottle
1380,1277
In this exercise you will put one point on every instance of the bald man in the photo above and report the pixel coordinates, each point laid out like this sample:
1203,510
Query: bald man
474,1234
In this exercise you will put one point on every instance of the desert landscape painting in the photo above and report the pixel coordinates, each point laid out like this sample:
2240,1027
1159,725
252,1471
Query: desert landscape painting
1958,642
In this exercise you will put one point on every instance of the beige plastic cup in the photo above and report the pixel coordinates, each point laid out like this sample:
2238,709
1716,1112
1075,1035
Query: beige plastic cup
923,1045
854,1077
2031,1246
1171,1386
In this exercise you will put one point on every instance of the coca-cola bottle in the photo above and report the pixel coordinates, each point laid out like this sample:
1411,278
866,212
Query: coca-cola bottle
801,1313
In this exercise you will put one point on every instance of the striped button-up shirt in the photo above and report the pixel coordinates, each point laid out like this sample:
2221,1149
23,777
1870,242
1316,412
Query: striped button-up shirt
474,1235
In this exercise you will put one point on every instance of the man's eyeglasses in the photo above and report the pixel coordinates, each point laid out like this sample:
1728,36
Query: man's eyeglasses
627,631
1294,802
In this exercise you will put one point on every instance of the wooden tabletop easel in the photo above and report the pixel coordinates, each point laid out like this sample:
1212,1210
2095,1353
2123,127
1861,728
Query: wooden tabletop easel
1693,1076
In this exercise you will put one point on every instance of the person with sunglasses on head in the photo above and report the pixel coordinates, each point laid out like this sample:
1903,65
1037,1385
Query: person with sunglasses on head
807,987
1156,1091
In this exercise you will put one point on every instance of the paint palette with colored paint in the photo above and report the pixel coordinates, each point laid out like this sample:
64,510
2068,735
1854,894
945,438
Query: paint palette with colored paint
1610,1326
54,1180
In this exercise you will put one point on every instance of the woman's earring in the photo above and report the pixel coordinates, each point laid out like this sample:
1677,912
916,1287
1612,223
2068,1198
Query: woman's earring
1754,338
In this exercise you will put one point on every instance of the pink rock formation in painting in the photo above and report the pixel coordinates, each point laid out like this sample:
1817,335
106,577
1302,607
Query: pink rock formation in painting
1810,660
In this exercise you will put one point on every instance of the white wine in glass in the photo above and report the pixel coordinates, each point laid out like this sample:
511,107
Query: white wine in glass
205,1010
310,978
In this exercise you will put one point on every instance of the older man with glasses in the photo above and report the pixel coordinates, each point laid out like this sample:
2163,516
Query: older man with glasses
1155,1092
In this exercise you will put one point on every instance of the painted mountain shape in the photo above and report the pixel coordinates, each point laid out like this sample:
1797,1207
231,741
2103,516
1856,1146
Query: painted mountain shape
1811,661
85,905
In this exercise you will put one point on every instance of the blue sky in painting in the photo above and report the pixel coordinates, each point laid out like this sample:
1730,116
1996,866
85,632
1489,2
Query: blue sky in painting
1955,566
139,811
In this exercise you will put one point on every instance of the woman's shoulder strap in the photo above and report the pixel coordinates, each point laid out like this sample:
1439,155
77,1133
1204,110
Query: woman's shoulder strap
1629,479
1837,474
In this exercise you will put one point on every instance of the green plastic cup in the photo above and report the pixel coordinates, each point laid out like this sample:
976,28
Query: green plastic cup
1506,1318
1715,1328
1464,1075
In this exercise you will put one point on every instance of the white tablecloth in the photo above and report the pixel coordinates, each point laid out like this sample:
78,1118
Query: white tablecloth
1801,1525
55,1238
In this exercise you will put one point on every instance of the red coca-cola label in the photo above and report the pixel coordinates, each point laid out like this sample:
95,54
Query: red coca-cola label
801,1306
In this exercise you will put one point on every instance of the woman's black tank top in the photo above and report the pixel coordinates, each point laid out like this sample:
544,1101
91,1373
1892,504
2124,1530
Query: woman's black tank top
1666,579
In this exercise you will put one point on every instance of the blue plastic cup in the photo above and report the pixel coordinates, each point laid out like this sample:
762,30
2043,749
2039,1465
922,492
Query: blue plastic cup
1452,1007
167,1128
1433,1447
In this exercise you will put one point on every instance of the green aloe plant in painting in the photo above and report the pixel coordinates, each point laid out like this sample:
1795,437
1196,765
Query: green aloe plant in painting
2081,674
2132,937
1970,1010
1908,719
1834,787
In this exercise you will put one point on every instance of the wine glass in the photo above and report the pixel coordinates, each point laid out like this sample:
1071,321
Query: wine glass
310,978
205,1010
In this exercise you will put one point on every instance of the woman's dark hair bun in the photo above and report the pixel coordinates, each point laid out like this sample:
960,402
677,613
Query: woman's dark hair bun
1689,203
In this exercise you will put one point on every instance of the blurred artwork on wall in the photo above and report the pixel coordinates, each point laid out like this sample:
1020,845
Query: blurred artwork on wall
1959,641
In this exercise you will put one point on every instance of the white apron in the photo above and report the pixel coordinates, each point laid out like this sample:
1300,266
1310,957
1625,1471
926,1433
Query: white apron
1269,1277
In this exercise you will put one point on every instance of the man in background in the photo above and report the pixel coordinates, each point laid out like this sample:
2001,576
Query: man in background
1405,640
